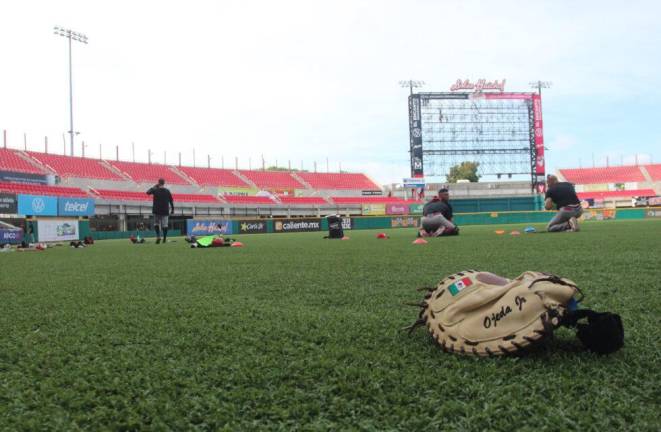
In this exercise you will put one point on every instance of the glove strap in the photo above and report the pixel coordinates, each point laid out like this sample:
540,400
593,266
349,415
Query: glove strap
603,333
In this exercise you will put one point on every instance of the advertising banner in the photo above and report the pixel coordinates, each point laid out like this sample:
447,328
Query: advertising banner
418,182
226,190
8,203
51,230
654,201
296,225
397,209
415,208
522,96
405,222
539,134
8,176
205,227
37,205
75,206
415,135
252,226
599,214
11,236
371,193
347,223
374,209
653,213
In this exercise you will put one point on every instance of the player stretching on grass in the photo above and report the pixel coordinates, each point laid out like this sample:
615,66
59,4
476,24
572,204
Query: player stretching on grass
562,196
437,217
162,199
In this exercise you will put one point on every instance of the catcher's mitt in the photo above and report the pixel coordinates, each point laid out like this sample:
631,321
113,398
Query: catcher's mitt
482,314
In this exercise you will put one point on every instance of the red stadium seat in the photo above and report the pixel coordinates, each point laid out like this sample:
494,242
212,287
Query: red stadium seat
302,200
213,177
116,195
338,181
67,166
148,173
370,200
272,179
10,161
240,199
654,171
36,189
619,174
617,194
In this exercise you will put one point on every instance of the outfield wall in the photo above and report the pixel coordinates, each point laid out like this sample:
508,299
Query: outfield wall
278,225
260,226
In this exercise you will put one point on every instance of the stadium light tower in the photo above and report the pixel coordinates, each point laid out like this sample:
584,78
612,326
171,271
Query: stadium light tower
539,85
411,84
78,37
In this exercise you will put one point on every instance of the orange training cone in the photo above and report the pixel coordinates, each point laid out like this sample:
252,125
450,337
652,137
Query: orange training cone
237,244
419,241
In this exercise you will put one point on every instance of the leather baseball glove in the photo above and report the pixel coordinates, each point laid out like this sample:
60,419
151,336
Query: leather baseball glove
482,314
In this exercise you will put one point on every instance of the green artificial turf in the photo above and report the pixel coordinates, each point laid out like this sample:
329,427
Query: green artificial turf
295,332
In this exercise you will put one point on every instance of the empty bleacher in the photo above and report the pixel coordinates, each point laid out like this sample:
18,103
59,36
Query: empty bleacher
148,173
248,200
616,194
116,195
369,200
330,181
271,180
654,170
616,174
67,166
37,189
290,200
10,161
213,177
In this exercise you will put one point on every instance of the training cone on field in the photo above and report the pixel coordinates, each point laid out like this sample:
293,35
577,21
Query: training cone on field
419,241
237,244
500,232
345,238
515,233
381,236
530,230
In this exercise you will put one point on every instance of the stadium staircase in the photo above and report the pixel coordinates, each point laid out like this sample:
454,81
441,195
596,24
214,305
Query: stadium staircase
40,168
245,179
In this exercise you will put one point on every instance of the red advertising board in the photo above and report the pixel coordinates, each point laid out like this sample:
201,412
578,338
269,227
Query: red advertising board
507,95
540,167
397,209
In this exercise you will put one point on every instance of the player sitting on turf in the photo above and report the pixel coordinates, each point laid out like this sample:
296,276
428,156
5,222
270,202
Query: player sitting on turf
437,217
562,196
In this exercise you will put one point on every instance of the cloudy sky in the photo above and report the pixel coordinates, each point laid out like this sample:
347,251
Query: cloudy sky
307,80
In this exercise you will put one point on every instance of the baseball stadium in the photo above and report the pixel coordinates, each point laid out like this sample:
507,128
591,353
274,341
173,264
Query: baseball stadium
495,282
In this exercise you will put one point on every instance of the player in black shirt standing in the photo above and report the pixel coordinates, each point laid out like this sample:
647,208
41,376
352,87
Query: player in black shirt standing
437,217
162,200
562,196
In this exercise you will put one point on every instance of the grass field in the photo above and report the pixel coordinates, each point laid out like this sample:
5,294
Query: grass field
295,332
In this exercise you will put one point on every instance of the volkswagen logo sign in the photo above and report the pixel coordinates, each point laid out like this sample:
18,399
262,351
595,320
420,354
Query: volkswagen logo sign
38,205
